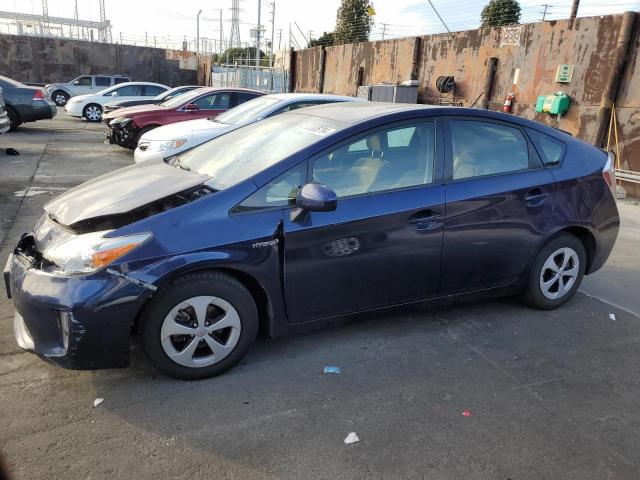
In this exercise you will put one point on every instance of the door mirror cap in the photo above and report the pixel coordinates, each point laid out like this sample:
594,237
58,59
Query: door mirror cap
76,82
114,94
316,197
191,107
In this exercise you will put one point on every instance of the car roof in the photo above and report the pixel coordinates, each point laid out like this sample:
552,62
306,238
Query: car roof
140,83
311,96
351,113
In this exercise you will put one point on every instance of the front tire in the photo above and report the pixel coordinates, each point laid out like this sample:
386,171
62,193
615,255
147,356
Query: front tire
556,273
92,112
60,98
199,326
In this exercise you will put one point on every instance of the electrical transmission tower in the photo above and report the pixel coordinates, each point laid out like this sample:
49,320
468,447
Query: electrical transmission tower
104,34
234,38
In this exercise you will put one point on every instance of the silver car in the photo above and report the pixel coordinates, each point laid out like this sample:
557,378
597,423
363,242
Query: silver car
61,92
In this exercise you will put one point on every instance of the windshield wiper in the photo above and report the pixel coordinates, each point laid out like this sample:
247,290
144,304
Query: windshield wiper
176,163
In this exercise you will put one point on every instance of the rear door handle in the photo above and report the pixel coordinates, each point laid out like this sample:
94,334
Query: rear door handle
535,197
423,222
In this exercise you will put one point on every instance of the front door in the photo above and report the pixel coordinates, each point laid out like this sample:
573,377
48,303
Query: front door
499,201
382,245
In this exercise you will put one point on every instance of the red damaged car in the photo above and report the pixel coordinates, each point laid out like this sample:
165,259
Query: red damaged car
127,125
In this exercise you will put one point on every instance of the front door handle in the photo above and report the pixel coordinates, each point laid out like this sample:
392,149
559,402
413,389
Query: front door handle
423,221
535,197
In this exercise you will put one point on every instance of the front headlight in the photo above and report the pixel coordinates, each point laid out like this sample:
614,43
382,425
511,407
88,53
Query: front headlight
168,145
120,122
90,252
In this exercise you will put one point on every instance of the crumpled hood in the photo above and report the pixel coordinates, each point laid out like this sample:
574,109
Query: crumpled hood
188,129
136,110
121,191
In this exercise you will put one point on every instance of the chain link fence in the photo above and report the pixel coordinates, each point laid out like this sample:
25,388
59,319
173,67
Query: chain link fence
265,79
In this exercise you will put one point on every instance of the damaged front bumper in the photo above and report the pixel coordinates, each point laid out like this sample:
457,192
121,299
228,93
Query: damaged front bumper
125,135
76,321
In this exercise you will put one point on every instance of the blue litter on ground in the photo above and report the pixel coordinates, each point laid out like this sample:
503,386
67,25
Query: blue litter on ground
331,369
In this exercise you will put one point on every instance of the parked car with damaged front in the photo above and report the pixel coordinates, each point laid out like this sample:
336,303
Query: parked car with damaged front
306,218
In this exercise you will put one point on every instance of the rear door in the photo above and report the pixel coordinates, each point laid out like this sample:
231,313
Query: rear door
100,83
499,201
382,245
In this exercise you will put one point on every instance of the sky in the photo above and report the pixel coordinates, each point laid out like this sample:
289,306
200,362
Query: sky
169,21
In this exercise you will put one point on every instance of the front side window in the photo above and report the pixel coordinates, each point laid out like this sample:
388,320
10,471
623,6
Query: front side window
398,157
215,101
277,193
103,81
83,81
127,91
484,148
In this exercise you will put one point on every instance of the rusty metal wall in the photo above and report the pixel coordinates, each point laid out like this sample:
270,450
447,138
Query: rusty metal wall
47,60
589,45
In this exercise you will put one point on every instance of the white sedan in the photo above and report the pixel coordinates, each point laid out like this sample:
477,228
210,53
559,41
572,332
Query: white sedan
90,106
177,137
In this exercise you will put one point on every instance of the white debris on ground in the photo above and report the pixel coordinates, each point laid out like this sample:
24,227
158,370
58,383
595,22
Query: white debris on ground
351,438
98,401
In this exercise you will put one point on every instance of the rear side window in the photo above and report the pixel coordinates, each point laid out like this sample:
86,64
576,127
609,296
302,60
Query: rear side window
242,97
152,90
484,148
551,150
120,80
103,81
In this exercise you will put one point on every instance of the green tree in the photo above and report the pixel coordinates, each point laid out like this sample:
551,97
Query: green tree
500,12
353,22
327,39
244,56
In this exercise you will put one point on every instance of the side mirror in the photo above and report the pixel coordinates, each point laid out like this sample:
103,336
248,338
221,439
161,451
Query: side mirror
114,94
191,107
316,197
76,82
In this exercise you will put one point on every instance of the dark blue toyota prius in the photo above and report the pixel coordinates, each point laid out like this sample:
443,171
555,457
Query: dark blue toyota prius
308,217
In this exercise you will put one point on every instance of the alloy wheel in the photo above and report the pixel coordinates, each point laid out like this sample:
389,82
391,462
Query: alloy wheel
93,113
200,331
60,99
559,273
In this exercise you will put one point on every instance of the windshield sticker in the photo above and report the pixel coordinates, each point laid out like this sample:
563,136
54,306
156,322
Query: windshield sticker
320,130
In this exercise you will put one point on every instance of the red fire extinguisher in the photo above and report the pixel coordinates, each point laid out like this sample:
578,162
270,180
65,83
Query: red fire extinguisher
508,103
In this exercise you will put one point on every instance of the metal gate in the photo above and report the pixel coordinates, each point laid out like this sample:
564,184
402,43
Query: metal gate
265,79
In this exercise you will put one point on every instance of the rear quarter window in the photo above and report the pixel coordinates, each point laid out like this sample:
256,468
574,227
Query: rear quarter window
550,149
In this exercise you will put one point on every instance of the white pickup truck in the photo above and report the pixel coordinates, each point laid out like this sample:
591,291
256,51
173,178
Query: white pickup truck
62,92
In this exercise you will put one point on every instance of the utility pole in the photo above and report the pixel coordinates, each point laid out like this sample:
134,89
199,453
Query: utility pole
273,24
574,12
384,29
258,39
310,33
221,50
279,38
544,14
289,36
198,31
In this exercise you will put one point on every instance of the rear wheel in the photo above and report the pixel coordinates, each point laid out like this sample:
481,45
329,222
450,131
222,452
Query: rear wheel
556,273
92,112
60,97
14,118
199,326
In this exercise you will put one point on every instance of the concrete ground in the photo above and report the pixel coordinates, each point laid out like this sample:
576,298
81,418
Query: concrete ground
551,395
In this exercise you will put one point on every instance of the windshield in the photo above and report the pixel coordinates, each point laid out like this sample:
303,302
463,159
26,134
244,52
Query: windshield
242,153
169,94
183,99
248,111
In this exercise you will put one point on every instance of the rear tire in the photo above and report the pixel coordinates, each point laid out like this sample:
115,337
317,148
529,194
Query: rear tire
14,118
556,273
92,112
60,98
179,334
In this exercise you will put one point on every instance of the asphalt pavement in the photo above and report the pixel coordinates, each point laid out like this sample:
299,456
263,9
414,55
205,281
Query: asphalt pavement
482,390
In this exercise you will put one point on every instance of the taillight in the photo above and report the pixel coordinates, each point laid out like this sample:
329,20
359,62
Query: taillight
37,95
609,172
